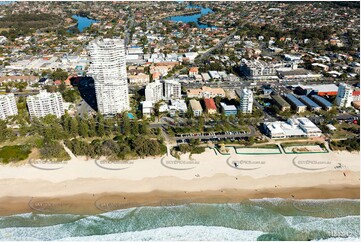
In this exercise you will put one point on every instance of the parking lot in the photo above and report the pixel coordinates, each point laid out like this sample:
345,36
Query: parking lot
214,136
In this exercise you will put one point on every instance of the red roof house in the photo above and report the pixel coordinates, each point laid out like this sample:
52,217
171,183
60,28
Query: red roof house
210,105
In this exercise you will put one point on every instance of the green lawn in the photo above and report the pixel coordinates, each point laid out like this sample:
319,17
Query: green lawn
288,144
14,153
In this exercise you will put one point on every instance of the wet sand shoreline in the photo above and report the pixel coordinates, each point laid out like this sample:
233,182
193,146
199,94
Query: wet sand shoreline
88,204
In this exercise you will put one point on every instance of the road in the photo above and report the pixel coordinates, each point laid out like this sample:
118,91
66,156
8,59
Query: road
128,26
218,45
246,83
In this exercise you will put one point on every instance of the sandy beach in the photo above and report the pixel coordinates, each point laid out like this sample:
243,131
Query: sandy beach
75,186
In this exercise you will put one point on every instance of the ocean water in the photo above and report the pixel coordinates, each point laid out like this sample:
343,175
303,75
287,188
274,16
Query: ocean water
257,219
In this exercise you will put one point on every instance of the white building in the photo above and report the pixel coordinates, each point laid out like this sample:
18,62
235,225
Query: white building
196,107
246,101
154,91
214,75
108,68
147,108
259,70
172,89
7,106
191,56
344,95
178,105
45,103
294,127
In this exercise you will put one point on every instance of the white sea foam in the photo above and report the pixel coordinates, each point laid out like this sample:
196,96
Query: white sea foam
277,200
184,233
343,227
109,225
340,239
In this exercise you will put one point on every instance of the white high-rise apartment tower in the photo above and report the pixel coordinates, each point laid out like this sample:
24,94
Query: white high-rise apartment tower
246,101
154,91
45,103
172,89
8,106
344,95
107,67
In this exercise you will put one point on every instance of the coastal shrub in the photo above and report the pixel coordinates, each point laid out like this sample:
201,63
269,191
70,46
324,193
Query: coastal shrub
6,133
139,146
53,150
184,148
14,153
198,150
349,144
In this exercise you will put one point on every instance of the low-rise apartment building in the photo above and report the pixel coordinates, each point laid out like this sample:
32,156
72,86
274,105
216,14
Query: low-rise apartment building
139,79
311,105
281,103
211,107
206,92
255,69
296,104
229,109
326,105
196,107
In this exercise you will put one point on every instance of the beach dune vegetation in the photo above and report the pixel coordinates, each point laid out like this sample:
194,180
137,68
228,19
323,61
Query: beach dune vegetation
14,153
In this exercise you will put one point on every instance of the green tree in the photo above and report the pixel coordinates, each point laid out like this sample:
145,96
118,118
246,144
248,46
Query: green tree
83,128
73,129
100,125
92,127
6,133
21,86
201,124
144,128
62,87
135,127
59,74
126,124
